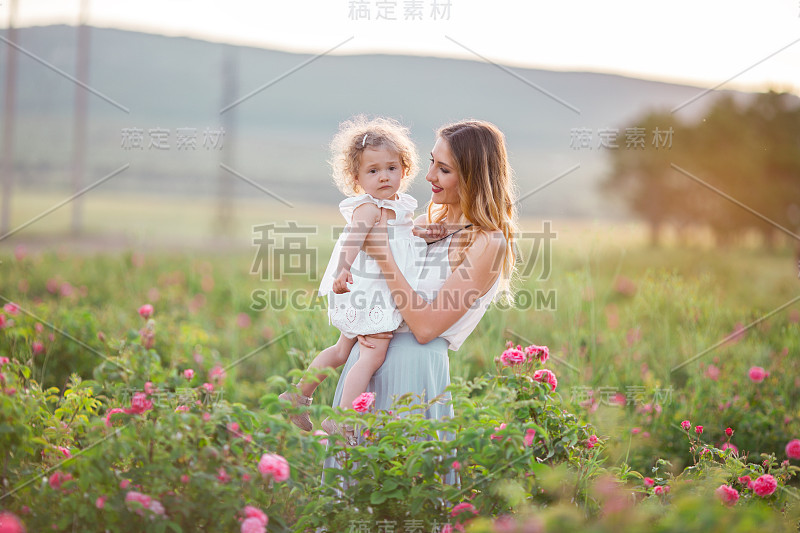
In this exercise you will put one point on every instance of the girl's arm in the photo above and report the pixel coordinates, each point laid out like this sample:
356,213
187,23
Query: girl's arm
365,217
472,278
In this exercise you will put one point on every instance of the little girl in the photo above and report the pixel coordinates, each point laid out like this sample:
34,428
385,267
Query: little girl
373,162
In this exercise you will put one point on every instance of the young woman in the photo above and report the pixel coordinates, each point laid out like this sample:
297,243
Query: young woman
473,195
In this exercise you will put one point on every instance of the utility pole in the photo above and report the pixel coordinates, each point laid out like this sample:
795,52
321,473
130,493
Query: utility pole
8,120
79,131
230,88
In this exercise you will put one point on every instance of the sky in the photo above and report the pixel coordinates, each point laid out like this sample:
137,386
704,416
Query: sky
747,45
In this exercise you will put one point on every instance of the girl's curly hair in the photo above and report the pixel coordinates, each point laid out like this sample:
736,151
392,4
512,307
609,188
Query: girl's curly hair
358,134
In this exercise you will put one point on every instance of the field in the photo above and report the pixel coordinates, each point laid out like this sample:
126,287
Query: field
640,339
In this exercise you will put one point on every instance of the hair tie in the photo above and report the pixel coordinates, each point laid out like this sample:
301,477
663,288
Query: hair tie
364,140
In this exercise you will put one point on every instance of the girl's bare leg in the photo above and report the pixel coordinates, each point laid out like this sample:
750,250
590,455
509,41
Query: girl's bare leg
369,361
331,357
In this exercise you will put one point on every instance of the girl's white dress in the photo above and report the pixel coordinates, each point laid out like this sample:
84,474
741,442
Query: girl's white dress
368,307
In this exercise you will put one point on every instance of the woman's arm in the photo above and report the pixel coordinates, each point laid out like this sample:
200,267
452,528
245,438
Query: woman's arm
472,278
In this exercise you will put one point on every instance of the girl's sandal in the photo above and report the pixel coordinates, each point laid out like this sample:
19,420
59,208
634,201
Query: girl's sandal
348,432
301,420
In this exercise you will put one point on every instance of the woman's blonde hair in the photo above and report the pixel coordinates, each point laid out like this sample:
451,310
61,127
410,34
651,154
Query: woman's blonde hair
358,134
487,192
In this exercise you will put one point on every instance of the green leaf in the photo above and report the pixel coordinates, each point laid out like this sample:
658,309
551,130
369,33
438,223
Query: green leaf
377,498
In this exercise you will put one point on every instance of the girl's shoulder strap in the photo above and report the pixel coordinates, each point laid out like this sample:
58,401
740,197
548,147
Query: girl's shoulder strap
348,205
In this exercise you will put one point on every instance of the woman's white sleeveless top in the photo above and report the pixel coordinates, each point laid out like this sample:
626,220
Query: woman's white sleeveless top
435,272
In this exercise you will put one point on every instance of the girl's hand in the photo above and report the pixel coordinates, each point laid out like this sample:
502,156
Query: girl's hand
420,231
341,281
363,341
431,232
437,231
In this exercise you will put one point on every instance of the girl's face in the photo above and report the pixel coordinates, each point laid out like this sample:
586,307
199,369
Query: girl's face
443,175
380,172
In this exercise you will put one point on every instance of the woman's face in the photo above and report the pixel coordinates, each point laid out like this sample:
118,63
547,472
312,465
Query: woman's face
443,175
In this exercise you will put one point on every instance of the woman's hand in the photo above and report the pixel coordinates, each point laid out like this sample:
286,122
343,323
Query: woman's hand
376,244
363,341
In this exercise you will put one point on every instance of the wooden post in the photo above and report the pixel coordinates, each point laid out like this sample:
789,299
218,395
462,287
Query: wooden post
79,131
8,121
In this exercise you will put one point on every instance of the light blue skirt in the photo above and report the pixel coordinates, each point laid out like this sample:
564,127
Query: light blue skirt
421,369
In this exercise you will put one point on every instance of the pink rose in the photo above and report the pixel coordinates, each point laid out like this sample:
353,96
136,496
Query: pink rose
529,435
729,446
143,499
100,502
463,507
512,357
223,476
252,525
148,388
111,412
364,402
243,320
37,347
208,387
9,523
649,482
765,485
793,449
146,311
686,425
124,484
11,308
504,524
139,404
727,494
661,490
495,436
58,478
757,374
541,352
254,512
729,432
156,507
185,479
698,430
217,374
456,465
275,466
745,480
188,373
546,376
625,286
712,373
320,433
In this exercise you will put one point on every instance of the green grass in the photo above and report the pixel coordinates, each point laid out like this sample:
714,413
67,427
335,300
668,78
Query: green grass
684,301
